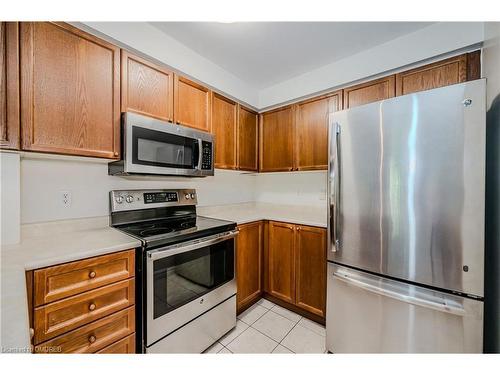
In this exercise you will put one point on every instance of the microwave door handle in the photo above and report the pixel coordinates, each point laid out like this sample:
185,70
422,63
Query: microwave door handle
175,249
200,154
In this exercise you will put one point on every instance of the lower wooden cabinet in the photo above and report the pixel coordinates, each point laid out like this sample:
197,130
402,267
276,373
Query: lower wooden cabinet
249,264
123,346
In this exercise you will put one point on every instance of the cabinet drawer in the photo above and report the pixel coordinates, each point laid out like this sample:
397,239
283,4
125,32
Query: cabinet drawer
62,316
65,280
124,346
94,336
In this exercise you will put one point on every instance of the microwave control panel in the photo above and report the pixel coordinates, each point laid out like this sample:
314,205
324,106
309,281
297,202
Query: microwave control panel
206,156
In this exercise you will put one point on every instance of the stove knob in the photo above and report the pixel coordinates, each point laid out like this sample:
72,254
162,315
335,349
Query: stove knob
129,199
187,196
119,199
192,195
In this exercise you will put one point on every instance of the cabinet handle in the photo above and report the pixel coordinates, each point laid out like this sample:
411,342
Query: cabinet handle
298,228
92,274
92,307
116,153
92,339
32,333
178,122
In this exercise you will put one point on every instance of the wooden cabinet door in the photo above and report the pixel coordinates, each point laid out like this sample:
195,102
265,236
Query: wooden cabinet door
224,128
439,74
249,264
248,139
70,91
277,140
310,269
368,92
311,131
146,88
9,85
192,104
281,262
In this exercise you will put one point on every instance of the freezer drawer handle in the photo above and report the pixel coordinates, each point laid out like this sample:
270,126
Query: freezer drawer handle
398,296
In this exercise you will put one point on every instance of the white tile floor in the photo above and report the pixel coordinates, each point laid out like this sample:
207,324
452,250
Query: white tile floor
269,328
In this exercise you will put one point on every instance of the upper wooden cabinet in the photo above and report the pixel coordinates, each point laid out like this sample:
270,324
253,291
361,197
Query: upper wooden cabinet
70,91
9,85
224,127
368,92
249,264
277,140
442,73
248,139
146,88
311,131
310,269
192,104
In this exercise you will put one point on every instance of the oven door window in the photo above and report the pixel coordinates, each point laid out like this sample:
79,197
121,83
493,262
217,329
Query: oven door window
155,148
182,278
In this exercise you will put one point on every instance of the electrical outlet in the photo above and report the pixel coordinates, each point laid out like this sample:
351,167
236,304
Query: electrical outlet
65,198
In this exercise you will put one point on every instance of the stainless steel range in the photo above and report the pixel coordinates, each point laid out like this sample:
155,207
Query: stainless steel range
186,290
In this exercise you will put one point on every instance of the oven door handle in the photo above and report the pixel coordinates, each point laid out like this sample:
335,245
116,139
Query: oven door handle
189,246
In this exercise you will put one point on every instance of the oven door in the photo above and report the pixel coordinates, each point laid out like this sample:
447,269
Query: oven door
186,280
157,147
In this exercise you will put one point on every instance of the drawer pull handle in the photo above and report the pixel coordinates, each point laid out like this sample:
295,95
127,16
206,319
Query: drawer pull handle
92,339
91,274
92,307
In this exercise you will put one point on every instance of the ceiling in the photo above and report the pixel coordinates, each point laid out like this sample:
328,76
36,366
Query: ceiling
265,53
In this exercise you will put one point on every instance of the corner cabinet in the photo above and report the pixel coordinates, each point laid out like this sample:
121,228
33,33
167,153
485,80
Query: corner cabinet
224,127
192,104
146,88
249,253
248,139
70,91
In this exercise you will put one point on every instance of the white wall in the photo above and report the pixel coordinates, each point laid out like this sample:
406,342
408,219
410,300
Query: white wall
43,180
423,44
297,188
151,41
9,202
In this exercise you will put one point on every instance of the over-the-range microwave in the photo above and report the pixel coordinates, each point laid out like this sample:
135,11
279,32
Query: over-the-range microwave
155,147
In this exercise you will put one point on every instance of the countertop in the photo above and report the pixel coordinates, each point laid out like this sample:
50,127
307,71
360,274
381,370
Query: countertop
46,244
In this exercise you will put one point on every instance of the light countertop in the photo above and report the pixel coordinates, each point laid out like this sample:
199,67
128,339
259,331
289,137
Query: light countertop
47,244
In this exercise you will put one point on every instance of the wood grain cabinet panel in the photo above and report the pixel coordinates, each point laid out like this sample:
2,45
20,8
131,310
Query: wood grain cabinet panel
368,92
311,131
70,91
224,128
62,316
442,73
310,269
277,140
94,336
249,264
123,346
248,139
146,88
68,279
192,104
9,85
281,260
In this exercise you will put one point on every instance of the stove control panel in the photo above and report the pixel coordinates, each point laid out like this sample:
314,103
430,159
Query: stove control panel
128,200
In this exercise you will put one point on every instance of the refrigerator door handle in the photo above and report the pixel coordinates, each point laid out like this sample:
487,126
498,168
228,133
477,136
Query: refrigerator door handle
371,286
335,190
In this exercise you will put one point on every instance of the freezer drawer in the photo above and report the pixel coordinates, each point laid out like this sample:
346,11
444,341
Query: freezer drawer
372,314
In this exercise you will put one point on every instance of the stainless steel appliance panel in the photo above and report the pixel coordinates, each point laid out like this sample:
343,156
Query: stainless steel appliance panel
198,335
371,314
406,187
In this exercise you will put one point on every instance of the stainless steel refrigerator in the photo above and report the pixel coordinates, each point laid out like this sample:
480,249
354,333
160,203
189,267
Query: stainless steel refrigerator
406,223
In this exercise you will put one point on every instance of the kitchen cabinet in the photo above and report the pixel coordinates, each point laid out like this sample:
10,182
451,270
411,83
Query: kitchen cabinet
70,91
281,261
368,92
85,306
9,85
146,88
192,104
277,140
249,246
450,71
310,269
248,139
224,128
311,130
